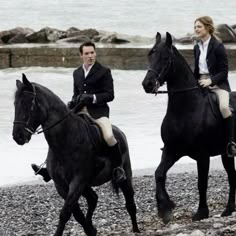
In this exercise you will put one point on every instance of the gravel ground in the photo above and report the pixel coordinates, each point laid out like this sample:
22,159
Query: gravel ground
34,209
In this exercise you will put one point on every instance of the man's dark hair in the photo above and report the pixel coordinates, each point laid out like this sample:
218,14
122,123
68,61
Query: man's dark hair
86,44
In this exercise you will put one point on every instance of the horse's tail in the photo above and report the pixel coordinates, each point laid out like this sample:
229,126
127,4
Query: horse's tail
115,187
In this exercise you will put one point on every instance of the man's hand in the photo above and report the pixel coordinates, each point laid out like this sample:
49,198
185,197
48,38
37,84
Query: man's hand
71,105
205,82
86,99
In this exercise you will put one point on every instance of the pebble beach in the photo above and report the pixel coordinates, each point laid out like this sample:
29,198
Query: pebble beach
33,209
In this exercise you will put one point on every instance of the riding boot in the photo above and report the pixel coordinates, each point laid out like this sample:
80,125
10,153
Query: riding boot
229,130
118,173
41,171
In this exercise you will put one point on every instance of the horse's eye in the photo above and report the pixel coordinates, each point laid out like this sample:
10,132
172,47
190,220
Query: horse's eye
24,105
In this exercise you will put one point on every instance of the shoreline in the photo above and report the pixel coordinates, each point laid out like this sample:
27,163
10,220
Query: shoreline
178,168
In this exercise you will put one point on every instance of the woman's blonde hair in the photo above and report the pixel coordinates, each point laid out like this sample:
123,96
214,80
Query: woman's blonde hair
209,25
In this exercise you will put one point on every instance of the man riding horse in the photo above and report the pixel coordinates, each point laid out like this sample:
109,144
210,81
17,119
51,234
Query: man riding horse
93,88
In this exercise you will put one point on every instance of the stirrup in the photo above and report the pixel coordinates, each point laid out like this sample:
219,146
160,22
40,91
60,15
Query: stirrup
231,149
40,167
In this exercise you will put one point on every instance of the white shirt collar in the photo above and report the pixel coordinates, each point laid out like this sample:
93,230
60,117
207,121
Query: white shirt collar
204,44
87,71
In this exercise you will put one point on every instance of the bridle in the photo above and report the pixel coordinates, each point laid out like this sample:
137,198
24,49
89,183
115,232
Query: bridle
26,124
164,71
158,76
27,127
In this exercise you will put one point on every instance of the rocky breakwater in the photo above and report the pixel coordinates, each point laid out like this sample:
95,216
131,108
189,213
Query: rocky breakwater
54,47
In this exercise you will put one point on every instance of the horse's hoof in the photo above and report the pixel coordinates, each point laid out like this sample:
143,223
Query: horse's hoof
165,216
227,212
136,230
165,212
201,214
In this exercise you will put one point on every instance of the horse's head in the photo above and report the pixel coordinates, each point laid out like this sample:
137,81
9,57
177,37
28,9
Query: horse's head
26,111
160,60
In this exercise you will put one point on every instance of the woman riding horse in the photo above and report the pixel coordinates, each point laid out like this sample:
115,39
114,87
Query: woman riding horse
211,70
191,127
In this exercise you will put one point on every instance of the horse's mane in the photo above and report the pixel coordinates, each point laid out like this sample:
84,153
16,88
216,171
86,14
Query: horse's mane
182,59
47,92
40,90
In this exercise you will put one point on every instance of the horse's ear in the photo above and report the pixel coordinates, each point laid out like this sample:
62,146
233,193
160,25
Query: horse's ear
168,39
158,38
26,82
18,84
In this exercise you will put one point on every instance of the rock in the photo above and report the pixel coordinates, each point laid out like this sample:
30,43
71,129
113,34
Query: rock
7,35
226,33
76,39
91,33
18,38
112,38
197,233
46,35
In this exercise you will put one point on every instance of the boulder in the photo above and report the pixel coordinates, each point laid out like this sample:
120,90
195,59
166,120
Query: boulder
233,26
18,38
226,33
7,35
46,35
112,38
76,39
91,33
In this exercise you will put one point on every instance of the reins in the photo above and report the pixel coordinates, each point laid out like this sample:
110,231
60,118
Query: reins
159,83
41,130
176,91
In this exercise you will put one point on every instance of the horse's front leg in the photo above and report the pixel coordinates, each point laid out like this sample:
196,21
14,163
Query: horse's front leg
127,189
92,199
203,170
71,205
230,169
164,204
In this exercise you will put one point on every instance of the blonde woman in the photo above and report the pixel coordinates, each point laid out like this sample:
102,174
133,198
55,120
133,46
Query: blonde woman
211,70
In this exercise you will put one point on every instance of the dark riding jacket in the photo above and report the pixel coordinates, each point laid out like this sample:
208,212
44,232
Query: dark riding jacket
99,81
217,63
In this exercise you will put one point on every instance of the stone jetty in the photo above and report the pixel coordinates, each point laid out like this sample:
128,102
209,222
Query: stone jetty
22,47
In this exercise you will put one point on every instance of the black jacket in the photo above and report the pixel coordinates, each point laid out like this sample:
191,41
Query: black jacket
99,81
217,63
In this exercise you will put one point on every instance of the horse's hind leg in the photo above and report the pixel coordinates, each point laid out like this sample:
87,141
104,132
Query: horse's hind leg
230,169
92,199
203,170
164,204
128,192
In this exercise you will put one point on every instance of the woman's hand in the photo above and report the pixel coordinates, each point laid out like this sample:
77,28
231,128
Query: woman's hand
205,82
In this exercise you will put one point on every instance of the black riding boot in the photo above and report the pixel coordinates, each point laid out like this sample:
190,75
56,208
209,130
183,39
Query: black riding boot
229,130
41,171
118,173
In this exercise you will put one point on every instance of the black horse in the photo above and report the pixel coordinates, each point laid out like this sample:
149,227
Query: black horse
191,127
73,162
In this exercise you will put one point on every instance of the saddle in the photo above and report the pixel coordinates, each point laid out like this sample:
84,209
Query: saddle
214,104
95,134
99,145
